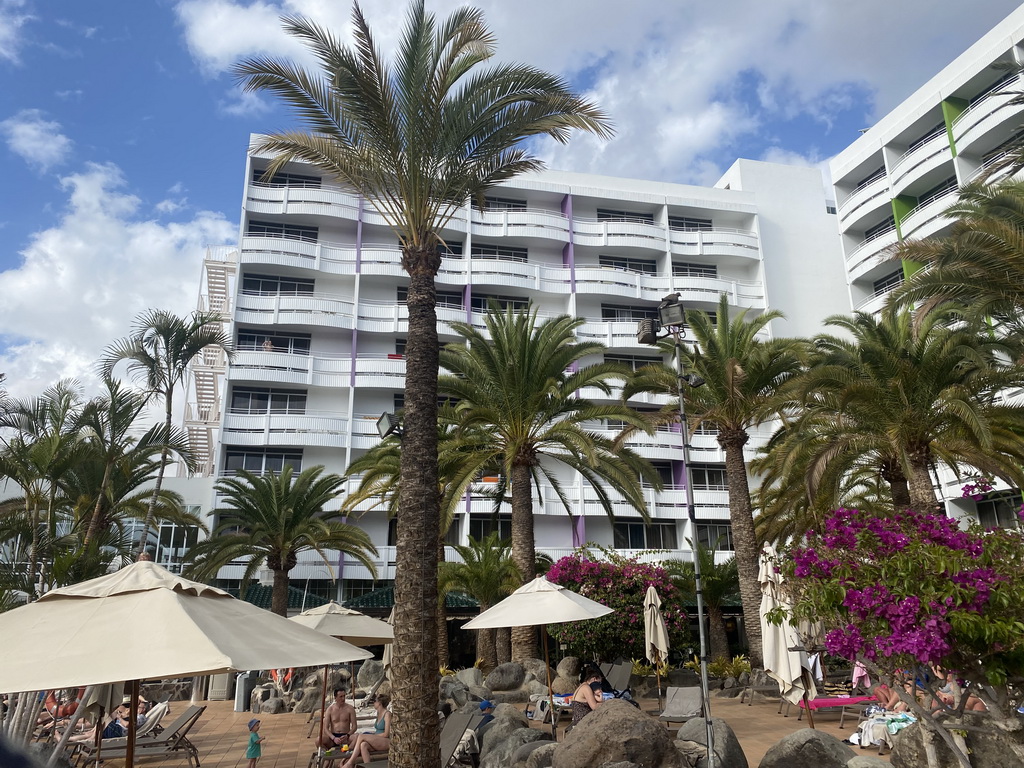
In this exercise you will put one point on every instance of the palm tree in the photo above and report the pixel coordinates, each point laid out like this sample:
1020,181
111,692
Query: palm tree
416,138
720,582
486,573
519,384
270,519
742,375
898,394
979,265
159,351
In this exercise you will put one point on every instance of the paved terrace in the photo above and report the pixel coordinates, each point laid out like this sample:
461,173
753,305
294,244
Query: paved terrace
221,735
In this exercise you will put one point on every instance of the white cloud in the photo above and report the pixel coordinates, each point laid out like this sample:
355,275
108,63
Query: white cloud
679,79
81,282
37,141
239,103
12,19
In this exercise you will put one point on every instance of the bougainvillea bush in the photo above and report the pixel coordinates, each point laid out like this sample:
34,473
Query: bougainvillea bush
620,583
909,591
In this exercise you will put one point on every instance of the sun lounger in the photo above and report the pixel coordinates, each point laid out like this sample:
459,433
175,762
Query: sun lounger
682,704
618,674
171,742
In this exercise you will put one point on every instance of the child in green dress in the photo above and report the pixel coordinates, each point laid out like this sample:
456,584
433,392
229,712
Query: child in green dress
254,751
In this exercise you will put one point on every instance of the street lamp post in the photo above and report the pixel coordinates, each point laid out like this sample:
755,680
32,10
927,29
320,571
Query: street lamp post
672,318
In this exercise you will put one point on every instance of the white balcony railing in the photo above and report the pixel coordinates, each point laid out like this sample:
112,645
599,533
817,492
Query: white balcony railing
932,153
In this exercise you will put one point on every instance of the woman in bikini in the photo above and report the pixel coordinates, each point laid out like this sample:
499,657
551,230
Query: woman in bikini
378,741
588,696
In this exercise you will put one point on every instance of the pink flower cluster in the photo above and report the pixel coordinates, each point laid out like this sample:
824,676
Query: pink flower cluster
891,611
976,490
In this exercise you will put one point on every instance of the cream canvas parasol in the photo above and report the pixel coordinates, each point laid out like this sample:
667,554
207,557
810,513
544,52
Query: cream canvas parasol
351,626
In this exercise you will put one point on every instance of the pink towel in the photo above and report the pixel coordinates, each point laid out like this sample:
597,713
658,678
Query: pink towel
860,675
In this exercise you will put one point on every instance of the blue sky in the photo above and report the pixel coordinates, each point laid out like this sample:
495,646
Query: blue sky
122,136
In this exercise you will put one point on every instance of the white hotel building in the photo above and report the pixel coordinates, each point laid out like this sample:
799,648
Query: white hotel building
318,274
896,180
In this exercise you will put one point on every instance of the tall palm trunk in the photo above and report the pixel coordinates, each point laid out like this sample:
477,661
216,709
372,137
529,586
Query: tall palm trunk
503,644
524,639
442,615
414,733
94,522
486,650
892,473
33,553
279,593
716,632
922,491
151,512
741,518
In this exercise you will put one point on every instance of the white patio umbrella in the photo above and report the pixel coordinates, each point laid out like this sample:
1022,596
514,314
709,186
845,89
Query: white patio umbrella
145,622
536,603
783,665
655,633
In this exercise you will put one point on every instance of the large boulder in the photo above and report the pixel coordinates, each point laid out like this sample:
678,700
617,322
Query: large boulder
501,753
454,690
986,750
521,755
866,761
807,748
273,706
569,668
728,751
309,701
542,756
506,677
536,688
471,676
518,696
507,719
538,668
563,686
370,671
617,731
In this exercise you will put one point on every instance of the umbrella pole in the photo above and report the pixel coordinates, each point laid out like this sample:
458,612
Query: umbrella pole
133,724
807,705
98,743
551,694
323,706
657,677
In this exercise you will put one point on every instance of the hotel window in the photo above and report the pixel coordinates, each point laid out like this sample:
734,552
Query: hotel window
504,204
887,283
633,361
499,252
451,249
709,478
285,180
482,526
174,540
621,313
256,341
277,229
687,269
257,400
875,175
880,229
689,224
715,535
275,285
479,302
949,185
259,462
606,214
627,264
1000,511
641,535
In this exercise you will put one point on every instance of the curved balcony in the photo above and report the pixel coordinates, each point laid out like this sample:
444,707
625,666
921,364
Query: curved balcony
984,115
863,200
870,254
519,274
874,303
325,200
334,258
927,219
321,310
611,333
290,368
618,282
720,241
632,234
708,289
920,160
531,223
324,430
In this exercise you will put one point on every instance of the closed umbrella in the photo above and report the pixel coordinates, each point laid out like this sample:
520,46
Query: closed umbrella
782,663
162,626
655,633
539,602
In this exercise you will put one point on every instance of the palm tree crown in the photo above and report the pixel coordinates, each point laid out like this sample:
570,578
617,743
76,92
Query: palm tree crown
270,519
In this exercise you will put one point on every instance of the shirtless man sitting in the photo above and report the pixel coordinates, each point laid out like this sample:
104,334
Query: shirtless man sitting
339,721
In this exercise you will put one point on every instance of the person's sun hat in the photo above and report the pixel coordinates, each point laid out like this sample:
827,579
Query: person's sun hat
253,722
126,700
485,704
